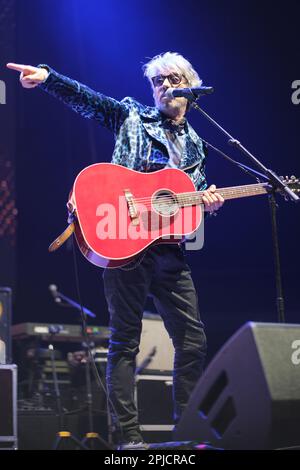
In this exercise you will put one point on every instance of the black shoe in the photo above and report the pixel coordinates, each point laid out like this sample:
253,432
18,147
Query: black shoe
133,445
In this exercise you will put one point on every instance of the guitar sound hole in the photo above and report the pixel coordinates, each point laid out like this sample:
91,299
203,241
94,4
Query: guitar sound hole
164,202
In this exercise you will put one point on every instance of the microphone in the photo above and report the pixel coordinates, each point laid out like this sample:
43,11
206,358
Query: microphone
54,292
190,94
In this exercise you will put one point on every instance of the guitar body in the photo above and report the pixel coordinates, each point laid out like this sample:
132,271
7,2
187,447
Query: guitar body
120,212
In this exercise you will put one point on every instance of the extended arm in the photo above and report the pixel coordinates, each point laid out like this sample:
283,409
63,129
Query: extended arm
82,99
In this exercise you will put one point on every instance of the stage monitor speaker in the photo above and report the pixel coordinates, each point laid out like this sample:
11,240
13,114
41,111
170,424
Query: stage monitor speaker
5,326
249,396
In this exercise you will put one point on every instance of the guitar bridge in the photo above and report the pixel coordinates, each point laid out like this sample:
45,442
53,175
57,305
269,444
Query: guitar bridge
133,212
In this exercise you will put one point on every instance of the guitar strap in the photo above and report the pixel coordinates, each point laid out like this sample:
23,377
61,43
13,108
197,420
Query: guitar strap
60,240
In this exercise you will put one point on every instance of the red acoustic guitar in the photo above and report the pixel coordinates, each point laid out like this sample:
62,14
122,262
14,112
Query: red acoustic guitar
119,212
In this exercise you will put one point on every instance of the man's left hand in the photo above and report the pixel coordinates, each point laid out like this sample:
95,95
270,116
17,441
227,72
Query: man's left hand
211,199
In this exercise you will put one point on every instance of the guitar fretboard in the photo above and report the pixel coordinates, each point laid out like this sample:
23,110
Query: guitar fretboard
190,199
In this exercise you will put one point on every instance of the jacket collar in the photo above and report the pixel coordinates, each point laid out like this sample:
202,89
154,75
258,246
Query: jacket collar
152,121
151,113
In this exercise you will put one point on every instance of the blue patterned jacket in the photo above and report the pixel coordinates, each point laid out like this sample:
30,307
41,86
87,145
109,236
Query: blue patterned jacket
140,137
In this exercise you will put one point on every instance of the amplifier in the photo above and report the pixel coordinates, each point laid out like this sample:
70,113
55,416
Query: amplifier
156,348
153,397
8,407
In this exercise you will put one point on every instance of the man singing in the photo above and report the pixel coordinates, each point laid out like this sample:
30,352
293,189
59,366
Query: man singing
147,139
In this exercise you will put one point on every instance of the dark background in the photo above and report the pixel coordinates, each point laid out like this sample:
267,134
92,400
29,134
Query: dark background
249,52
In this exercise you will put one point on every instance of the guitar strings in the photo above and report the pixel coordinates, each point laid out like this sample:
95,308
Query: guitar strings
197,196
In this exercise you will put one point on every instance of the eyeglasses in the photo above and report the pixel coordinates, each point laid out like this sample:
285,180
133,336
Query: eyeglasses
174,79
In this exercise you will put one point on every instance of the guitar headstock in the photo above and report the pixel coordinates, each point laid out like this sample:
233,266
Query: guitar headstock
293,183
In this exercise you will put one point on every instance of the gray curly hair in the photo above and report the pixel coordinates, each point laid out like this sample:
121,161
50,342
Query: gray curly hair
177,63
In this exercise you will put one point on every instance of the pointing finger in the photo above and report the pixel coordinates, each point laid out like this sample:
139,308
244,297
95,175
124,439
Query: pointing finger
20,67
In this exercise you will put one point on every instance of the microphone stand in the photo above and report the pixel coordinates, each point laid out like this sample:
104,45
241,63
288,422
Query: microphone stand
63,436
277,185
68,302
92,439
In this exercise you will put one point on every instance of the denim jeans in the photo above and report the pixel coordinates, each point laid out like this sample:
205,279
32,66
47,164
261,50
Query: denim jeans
163,274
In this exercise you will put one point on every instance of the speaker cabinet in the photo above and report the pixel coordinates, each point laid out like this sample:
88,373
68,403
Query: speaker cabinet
8,407
249,396
5,324
153,397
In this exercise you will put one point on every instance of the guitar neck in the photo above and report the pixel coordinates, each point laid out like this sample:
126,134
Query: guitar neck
235,192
